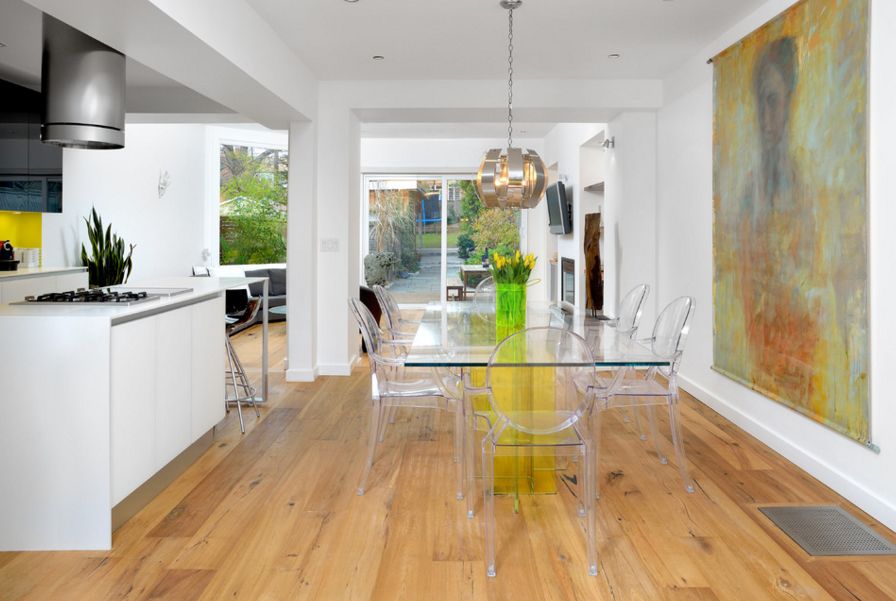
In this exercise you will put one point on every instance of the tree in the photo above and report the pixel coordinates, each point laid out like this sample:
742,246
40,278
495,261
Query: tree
496,229
392,228
253,206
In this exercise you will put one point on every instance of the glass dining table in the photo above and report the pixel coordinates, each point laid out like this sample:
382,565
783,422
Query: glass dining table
464,335
461,336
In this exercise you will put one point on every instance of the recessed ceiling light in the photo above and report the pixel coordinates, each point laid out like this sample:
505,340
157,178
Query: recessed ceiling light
378,57
351,1
614,55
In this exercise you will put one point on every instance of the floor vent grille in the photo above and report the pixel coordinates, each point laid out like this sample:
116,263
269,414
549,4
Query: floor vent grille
828,531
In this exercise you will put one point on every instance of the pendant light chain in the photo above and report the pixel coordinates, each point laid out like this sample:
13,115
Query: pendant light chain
510,79
510,178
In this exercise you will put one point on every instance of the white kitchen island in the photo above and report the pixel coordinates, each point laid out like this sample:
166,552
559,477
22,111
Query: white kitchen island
96,400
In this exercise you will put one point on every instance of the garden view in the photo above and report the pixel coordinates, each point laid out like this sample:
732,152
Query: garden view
253,201
405,234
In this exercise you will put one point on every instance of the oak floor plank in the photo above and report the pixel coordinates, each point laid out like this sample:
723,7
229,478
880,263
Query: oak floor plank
273,515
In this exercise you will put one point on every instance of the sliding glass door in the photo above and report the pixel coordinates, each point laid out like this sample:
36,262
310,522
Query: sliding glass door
421,229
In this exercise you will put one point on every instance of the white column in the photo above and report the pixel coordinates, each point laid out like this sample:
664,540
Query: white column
301,251
338,235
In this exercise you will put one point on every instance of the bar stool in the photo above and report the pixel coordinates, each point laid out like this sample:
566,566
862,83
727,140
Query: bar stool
238,382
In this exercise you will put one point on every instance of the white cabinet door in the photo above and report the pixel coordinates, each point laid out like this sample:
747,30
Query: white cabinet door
16,290
172,402
133,392
208,365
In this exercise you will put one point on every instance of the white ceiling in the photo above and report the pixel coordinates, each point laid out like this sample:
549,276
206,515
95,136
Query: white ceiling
21,34
467,39
453,130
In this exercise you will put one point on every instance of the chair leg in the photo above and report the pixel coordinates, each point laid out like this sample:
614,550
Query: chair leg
459,449
232,372
470,456
488,493
392,412
590,462
245,384
595,443
677,442
636,413
376,416
655,433
388,418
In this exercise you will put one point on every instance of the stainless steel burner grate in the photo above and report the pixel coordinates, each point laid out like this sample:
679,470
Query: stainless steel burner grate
828,531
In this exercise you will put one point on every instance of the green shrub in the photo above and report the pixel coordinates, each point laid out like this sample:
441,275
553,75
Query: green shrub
465,245
378,267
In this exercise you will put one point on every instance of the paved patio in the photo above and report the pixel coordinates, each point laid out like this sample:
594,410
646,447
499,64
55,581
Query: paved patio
425,285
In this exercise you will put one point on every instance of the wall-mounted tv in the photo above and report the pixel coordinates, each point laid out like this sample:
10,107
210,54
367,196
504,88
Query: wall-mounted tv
559,209
30,171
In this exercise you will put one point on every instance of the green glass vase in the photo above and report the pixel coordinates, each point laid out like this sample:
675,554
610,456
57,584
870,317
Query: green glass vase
510,309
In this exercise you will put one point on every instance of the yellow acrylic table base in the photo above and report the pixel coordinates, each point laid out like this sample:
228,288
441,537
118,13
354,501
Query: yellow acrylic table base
517,471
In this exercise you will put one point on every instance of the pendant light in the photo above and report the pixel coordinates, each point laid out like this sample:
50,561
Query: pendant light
510,177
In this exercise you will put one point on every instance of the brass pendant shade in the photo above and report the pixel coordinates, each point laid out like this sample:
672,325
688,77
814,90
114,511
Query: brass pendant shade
511,178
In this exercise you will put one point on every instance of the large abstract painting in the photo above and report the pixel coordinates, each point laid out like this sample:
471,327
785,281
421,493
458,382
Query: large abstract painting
790,234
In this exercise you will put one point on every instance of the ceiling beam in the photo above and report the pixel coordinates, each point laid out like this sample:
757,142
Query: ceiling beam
221,49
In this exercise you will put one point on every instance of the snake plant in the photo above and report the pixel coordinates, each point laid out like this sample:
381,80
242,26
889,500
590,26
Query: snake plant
109,265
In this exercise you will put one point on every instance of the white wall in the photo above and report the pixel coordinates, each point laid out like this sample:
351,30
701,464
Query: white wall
431,155
123,186
685,267
631,212
562,146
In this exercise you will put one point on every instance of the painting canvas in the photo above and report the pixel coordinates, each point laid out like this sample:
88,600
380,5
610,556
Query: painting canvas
790,196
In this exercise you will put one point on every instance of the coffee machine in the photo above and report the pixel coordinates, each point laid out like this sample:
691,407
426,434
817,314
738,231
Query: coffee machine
7,256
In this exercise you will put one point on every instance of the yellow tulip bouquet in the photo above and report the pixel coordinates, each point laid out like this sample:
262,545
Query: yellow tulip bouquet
511,275
514,269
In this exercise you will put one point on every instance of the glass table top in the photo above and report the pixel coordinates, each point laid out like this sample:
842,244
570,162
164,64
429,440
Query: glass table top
462,334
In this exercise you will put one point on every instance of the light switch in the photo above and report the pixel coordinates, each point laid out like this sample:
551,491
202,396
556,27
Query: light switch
329,245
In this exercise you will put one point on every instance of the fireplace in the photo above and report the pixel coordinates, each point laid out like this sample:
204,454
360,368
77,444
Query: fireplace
568,281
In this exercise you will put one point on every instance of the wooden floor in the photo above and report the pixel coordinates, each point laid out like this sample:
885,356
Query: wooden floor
274,515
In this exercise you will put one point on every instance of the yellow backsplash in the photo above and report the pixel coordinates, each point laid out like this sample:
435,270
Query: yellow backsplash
21,229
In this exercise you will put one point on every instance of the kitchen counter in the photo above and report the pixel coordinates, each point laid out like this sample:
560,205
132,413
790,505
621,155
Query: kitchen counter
37,272
202,289
101,401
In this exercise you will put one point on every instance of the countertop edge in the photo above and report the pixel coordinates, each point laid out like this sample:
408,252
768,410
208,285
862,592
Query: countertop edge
27,272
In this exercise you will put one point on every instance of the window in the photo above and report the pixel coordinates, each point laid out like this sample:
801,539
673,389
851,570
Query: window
252,204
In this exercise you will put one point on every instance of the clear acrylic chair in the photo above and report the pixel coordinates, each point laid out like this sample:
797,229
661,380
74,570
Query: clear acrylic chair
393,386
626,322
398,326
630,309
484,294
647,390
549,421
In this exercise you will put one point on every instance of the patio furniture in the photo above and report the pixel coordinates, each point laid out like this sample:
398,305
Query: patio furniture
471,275
454,290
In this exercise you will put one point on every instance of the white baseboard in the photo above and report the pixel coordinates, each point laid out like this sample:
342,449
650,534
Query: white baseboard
335,369
869,501
301,375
